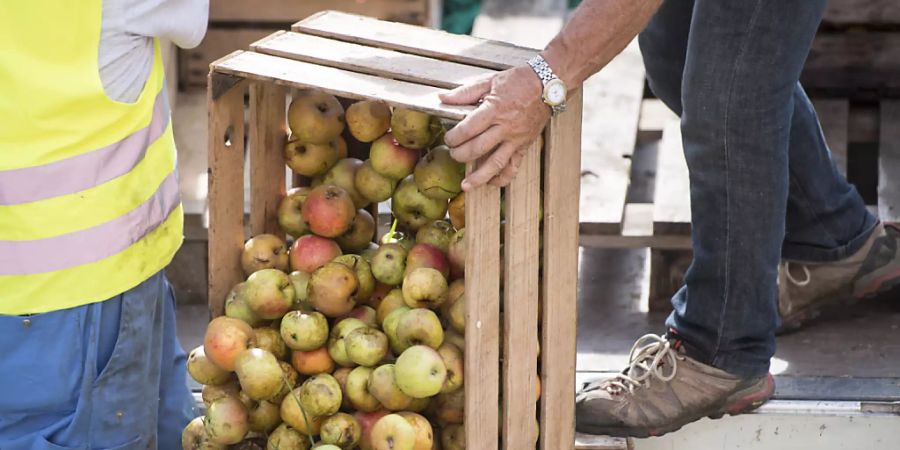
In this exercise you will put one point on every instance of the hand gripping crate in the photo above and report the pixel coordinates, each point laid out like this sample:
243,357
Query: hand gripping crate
357,58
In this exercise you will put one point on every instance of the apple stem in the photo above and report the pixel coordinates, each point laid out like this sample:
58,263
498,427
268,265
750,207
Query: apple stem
393,229
312,442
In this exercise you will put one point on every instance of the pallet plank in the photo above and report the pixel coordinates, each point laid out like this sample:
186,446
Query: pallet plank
482,353
608,139
267,136
226,194
846,62
654,117
342,83
520,301
672,202
286,11
862,12
889,162
560,282
833,116
416,40
193,64
370,60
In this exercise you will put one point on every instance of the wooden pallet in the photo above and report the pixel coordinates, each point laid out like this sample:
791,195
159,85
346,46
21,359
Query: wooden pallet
408,66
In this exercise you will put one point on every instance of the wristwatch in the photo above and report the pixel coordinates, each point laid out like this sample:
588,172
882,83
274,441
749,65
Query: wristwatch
555,90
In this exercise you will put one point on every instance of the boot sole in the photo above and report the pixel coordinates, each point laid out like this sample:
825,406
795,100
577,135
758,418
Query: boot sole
740,402
883,283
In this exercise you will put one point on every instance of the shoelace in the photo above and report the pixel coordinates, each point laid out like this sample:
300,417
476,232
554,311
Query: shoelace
646,359
790,277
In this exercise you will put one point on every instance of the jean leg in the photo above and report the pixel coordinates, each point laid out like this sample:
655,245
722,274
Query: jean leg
176,404
664,49
743,61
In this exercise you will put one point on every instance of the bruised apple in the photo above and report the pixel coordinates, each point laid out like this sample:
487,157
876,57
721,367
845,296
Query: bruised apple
225,338
372,185
331,289
226,421
310,159
290,216
389,264
457,254
368,119
360,234
337,345
311,252
438,175
315,117
304,331
269,339
419,326
259,373
413,208
342,430
414,129
321,395
194,437
363,271
357,390
328,210
393,432
425,255
269,293
424,288
236,306
457,211
383,386
264,251
437,234
391,159
343,175
203,370
366,346
424,433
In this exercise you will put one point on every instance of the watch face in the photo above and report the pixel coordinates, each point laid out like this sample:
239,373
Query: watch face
555,94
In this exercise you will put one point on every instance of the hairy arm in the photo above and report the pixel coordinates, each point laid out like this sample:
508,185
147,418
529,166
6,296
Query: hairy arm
512,114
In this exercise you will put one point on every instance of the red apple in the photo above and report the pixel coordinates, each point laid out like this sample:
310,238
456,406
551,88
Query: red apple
329,211
391,159
311,252
424,255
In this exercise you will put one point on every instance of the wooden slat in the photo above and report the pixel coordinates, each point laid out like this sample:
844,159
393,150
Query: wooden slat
533,31
863,123
847,62
268,133
889,162
287,11
833,115
862,12
521,304
370,60
672,200
416,40
482,354
560,283
637,232
654,117
226,193
608,140
338,82
218,42
591,442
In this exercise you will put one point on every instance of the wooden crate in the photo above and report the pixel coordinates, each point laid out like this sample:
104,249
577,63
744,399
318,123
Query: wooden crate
357,58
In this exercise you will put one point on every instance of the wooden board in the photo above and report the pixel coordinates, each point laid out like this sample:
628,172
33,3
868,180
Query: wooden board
338,82
226,193
611,111
482,338
534,31
560,283
854,61
520,299
862,12
287,11
833,116
672,200
415,40
194,63
370,60
889,162
654,117
637,232
268,133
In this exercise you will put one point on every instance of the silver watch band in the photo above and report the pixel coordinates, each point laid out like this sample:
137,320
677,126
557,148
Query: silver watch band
545,73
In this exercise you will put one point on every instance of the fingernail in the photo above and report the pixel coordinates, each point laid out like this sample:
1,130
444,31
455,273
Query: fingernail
466,185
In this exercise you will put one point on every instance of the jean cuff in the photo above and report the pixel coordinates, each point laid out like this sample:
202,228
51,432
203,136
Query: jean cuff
813,254
737,365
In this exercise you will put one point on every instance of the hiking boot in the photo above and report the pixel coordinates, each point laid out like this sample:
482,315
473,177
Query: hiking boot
805,289
662,390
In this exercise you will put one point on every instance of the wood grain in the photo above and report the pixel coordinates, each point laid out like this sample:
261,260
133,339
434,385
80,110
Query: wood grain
560,283
672,200
370,60
862,12
416,40
287,11
339,82
889,162
226,193
520,338
268,133
218,42
846,62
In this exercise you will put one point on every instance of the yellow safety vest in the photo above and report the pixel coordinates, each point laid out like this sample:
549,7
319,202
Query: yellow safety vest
89,204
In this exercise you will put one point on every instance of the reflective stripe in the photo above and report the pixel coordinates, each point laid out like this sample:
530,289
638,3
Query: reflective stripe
91,244
84,171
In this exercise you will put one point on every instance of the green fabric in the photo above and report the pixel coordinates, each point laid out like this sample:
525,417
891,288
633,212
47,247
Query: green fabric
459,15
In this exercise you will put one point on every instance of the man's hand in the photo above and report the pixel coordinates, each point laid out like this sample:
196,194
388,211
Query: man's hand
511,116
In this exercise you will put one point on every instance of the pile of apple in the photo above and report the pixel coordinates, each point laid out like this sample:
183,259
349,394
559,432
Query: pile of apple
334,341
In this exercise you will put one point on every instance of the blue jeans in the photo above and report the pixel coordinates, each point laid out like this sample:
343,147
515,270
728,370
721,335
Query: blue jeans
108,375
763,183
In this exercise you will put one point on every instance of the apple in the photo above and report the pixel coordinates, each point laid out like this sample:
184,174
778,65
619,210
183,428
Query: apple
457,254
225,338
331,289
425,255
287,438
364,277
259,373
372,185
392,160
450,407
457,211
211,393
365,313
437,234
418,405
405,240
366,421
226,421
456,338
328,210
290,217
293,415
438,175
194,437
236,307
390,327
203,370
414,129
393,432
343,175
312,362
310,159
389,264
412,208
392,301
419,326
420,372
360,234
341,376
263,416
269,293
265,251
453,437
383,386
368,119
452,357
357,390
311,252
379,293
424,288
315,117
455,313
337,346
366,346
300,281
424,433
369,252
342,430
321,395
289,380
304,331
269,339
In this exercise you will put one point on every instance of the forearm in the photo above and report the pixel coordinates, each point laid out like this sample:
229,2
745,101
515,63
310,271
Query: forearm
597,32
